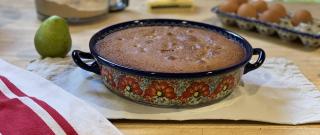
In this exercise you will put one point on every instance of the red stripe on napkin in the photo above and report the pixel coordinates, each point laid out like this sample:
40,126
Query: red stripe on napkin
17,118
67,128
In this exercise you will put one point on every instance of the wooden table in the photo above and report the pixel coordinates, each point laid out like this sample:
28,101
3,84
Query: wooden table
18,24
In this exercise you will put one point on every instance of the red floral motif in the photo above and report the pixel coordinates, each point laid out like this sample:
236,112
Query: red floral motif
129,84
226,83
196,89
109,77
159,89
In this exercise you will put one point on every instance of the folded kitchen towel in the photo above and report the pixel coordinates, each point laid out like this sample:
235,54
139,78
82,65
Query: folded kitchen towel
30,104
277,92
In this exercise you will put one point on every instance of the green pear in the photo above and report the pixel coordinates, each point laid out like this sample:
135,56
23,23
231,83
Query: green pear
53,38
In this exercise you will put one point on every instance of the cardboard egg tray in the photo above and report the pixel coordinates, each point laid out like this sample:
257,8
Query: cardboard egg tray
308,39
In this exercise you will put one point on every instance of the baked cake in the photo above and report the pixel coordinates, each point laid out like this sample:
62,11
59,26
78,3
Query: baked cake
170,49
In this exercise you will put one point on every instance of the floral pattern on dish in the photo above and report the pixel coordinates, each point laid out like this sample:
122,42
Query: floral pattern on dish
226,83
196,90
170,92
159,90
128,84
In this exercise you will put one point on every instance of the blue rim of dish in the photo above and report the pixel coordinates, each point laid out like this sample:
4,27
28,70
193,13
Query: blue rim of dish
169,22
217,11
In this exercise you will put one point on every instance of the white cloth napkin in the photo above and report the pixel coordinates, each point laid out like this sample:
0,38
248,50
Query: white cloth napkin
59,111
277,92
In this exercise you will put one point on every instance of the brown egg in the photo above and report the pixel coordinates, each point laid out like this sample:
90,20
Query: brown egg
247,10
229,7
238,1
260,5
233,1
270,16
279,8
301,16
242,1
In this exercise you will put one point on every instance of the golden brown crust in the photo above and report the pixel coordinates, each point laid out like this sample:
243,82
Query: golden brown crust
170,49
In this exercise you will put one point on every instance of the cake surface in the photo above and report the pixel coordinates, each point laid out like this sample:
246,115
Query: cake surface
170,49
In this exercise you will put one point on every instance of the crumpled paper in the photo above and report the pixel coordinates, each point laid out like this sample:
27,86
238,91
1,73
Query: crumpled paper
277,92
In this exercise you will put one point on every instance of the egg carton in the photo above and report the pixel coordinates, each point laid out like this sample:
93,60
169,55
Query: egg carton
308,34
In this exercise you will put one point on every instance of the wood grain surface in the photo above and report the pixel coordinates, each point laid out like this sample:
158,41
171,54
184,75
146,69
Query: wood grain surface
18,24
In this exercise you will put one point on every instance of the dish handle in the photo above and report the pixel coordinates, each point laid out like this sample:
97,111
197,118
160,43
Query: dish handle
261,57
77,57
